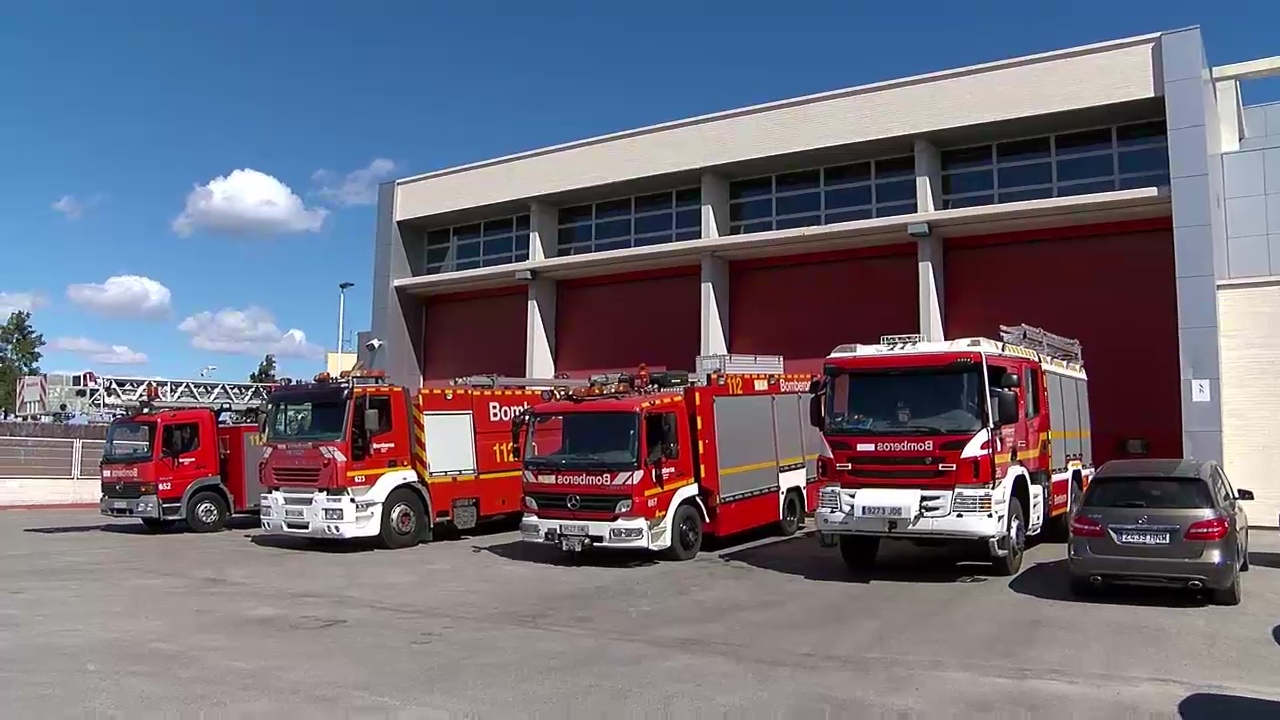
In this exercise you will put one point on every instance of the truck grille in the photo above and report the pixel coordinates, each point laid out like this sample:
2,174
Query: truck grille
129,491
295,475
589,503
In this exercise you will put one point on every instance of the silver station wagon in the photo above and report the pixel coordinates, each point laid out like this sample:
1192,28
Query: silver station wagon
1175,523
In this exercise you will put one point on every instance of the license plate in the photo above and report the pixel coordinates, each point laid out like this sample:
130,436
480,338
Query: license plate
880,511
1141,538
120,504
572,543
573,530
295,513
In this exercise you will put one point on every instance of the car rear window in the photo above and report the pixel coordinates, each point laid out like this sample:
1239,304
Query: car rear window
1156,493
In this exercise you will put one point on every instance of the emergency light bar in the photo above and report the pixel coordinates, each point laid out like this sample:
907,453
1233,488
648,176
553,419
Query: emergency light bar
901,339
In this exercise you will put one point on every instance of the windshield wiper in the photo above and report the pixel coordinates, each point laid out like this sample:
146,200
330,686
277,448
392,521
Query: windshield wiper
912,430
1131,504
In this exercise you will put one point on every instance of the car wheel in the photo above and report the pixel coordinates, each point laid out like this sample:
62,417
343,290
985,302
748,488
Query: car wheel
1229,595
1244,559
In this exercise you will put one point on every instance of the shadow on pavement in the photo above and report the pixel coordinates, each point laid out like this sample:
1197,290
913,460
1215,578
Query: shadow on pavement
1275,634
135,527
897,562
1264,559
1048,581
320,545
540,554
1214,706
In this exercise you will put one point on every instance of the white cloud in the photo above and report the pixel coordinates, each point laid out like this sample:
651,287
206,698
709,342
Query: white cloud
73,208
358,187
247,202
99,352
12,302
251,331
123,296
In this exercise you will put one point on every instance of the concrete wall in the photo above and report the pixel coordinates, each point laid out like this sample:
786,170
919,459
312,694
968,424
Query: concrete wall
1200,237
1251,177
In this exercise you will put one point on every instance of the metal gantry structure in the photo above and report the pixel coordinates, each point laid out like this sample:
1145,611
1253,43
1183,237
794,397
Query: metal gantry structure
93,394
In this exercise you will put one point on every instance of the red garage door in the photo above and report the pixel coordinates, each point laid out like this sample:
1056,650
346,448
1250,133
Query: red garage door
473,334
1112,290
613,324
803,307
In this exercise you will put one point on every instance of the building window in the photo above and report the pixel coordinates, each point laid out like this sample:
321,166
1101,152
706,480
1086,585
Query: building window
638,221
501,241
825,196
1073,163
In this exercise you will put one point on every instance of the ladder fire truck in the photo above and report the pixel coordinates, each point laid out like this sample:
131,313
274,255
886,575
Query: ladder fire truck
972,441
655,461
356,457
163,464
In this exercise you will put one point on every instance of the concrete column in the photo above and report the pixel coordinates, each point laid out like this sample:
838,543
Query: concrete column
398,319
540,336
1199,234
928,177
544,226
715,305
715,206
929,263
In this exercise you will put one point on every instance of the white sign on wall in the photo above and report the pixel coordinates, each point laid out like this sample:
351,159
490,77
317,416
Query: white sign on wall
1200,391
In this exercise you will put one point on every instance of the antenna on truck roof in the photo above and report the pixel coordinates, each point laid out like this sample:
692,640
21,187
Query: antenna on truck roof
1042,341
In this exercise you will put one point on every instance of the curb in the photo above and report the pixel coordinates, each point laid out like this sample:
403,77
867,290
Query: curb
63,506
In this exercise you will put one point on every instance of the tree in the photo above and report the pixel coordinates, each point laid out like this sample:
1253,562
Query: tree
19,355
266,372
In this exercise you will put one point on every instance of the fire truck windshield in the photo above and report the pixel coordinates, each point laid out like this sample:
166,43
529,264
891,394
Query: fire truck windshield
307,416
914,401
597,440
128,442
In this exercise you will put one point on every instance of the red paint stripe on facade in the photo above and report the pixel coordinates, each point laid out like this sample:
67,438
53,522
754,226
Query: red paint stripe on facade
830,256
1076,231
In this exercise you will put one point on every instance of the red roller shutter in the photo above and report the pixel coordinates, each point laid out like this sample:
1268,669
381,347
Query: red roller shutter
614,323
473,334
1112,290
804,306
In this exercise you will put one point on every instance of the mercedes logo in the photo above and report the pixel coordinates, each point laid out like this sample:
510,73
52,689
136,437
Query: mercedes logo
1142,520
573,502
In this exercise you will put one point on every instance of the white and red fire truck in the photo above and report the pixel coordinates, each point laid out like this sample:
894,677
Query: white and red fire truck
973,441
356,457
655,461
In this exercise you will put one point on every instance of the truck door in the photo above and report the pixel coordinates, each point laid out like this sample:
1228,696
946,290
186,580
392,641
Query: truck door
188,452
376,448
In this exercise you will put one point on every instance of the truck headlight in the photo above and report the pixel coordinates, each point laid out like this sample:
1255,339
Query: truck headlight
333,513
623,506
626,533
829,498
530,503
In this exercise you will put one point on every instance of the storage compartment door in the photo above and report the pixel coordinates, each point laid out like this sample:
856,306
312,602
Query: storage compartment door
450,443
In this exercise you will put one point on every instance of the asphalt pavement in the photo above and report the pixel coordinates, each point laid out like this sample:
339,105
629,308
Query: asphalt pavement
98,618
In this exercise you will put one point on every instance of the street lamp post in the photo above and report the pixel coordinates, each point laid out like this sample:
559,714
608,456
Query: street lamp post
342,309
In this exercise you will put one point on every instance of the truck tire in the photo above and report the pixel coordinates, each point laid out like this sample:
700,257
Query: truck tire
207,512
792,514
402,519
156,524
686,534
1011,564
859,551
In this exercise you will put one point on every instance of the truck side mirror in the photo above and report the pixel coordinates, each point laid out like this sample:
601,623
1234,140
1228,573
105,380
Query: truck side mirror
371,421
1009,381
517,423
1006,407
815,411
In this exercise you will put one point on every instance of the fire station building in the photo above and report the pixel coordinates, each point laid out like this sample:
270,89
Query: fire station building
1117,193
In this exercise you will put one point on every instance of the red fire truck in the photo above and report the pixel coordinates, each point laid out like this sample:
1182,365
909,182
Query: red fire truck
654,461
356,457
167,465
972,441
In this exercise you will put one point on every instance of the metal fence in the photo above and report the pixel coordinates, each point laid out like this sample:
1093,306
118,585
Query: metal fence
53,458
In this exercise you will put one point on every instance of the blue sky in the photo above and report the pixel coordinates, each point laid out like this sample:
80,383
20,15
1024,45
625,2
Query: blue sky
128,113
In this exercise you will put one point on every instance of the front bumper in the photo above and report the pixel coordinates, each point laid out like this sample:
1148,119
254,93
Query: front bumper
146,506
1215,568
909,513
620,534
320,515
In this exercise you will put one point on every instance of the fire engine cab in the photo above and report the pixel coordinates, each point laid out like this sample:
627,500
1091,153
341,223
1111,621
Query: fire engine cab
354,456
654,461
973,441
163,466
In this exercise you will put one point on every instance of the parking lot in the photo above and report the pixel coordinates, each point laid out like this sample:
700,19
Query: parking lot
99,617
